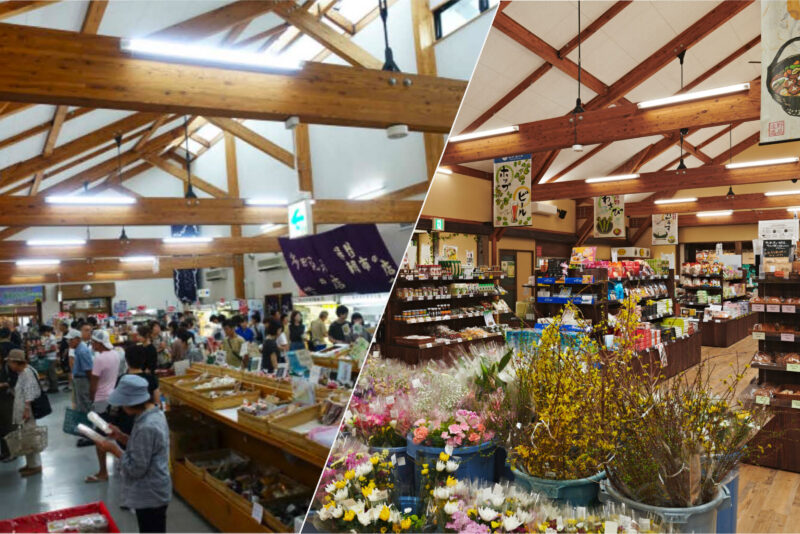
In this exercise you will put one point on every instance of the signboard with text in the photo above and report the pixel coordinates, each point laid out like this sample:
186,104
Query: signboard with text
21,295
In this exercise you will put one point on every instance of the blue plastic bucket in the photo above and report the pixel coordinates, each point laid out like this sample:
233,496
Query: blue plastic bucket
501,468
407,502
577,492
404,474
726,518
475,463
702,518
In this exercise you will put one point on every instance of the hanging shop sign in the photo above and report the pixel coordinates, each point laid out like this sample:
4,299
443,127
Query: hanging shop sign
780,67
21,295
780,229
512,191
609,216
300,221
350,259
665,229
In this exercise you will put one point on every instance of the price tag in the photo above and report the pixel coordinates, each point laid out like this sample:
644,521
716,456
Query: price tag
762,399
761,336
773,307
314,373
427,345
793,367
344,372
611,527
787,337
796,404
257,513
401,461
586,299
788,308
394,459
757,307
416,384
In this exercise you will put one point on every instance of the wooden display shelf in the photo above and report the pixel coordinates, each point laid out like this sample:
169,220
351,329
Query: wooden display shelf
215,507
443,318
683,353
726,332
407,278
438,350
426,298
304,454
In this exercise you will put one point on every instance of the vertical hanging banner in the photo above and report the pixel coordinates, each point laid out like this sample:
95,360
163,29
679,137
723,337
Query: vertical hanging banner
185,281
665,229
512,191
609,216
780,71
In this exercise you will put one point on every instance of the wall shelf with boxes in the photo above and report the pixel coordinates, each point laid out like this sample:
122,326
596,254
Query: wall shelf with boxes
778,362
434,309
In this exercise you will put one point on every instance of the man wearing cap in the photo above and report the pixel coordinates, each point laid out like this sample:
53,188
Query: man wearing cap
105,370
81,365
144,466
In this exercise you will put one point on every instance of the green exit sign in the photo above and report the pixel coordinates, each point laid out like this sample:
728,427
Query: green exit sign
438,225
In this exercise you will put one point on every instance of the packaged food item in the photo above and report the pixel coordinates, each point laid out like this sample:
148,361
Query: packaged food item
791,357
762,357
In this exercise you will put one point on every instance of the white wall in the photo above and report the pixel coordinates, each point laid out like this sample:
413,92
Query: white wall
457,53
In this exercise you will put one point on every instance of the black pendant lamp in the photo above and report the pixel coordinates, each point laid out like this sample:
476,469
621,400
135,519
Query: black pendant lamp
683,131
123,237
577,147
190,194
389,63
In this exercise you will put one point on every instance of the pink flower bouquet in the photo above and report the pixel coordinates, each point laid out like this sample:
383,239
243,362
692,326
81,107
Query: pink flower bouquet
463,429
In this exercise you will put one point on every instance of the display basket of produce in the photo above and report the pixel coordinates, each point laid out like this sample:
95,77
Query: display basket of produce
414,341
199,463
224,398
782,80
296,428
258,414
92,517
323,392
202,383
277,387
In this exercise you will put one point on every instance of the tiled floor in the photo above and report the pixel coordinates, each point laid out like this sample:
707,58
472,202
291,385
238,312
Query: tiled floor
62,483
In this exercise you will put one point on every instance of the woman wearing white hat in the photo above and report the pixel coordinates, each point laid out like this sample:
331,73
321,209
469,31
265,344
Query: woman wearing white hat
146,483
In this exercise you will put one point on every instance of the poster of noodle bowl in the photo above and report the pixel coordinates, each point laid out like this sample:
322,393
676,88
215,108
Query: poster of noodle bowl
780,71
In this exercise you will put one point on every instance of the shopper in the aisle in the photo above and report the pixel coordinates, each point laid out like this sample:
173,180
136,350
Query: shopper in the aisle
318,331
359,328
105,370
160,341
232,345
63,353
243,330
26,391
81,365
146,484
283,337
146,340
50,345
8,380
296,331
271,353
340,330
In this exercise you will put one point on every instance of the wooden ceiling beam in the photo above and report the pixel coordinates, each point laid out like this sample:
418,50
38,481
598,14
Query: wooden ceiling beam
591,29
55,67
724,63
149,211
94,16
469,171
575,164
705,176
40,128
180,174
215,21
373,14
743,201
611,124
647,223
737,217
302,149
72,268
726,155
13,8
261,35
254,139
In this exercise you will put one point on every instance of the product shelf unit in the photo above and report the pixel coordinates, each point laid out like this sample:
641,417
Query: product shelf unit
782,432
396,326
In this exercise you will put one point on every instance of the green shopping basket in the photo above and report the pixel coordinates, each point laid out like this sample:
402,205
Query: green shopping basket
72,418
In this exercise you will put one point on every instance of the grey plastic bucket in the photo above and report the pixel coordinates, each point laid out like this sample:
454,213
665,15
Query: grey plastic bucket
577,492
701,518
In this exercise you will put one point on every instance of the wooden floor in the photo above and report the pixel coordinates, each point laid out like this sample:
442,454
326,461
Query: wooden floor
769,500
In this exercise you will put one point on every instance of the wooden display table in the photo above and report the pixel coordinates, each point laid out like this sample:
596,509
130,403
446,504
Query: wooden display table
683,353
726,332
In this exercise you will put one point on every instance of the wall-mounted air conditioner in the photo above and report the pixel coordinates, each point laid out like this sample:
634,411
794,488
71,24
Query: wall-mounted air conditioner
270,264
543,209
216,274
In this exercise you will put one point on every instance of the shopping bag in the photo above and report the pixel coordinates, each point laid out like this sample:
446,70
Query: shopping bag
72,418
27,439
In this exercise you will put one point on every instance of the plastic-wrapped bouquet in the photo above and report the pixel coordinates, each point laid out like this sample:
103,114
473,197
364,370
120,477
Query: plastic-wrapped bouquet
381,422
462,429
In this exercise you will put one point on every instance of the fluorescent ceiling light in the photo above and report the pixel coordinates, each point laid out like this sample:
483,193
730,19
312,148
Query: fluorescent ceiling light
182,240
782,193
90,199
675,200
207,54
794,209
270,227
266,202
369,194
443,170
694,96
484,133
137,259
721,213
55,242
30,263
761,162
612,178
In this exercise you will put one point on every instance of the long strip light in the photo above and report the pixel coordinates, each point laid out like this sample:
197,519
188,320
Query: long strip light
794,209
721,213
686,97
207,54
484,133
55,242
675,200
90,200
761,163
616,178
443,170
782,193
186,240
369,195
137,259
32,263
266,202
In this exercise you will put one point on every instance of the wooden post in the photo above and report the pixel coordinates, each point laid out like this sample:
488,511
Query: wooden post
424,39
232,171
302,151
